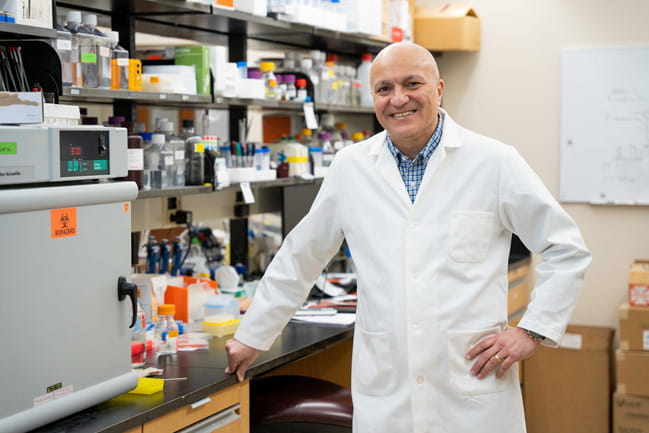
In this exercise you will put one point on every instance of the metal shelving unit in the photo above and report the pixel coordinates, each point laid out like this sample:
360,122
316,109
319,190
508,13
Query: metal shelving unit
187,190
12,30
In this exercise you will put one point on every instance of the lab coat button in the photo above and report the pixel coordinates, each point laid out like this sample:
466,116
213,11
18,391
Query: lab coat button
420,379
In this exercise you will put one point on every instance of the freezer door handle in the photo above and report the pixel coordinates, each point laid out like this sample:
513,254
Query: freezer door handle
125,289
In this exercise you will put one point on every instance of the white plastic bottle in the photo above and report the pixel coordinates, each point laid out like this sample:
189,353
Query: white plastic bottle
166,331
363,75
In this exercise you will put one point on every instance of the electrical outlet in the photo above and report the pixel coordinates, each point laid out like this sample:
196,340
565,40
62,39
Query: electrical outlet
170,206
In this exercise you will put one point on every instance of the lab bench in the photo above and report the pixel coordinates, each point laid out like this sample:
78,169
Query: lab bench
206,392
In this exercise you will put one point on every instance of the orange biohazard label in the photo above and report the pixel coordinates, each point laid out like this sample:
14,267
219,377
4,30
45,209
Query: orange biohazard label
63,222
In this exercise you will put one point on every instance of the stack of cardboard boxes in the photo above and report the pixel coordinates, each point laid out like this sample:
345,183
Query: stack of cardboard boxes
631,399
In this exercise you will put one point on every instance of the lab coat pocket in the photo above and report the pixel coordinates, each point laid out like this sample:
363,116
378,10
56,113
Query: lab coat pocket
373,363
460,378
471,233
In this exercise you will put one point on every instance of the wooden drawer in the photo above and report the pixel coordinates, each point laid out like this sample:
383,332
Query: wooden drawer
137,429
185,416
517,298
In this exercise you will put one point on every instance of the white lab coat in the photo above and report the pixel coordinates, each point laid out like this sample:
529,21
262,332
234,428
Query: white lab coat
432,278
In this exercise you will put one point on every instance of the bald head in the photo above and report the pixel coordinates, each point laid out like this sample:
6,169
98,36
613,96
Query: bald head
406,52
407,91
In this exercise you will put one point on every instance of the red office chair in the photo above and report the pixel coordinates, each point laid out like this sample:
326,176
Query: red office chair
299,404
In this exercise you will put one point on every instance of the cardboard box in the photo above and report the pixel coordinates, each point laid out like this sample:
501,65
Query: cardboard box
569,389
630,414
639,283
632,372
449,28
21,107
634,327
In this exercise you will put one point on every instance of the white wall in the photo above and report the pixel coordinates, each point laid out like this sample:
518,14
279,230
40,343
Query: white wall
511,90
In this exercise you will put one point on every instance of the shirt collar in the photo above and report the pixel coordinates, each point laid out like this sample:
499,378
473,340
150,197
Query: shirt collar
428,149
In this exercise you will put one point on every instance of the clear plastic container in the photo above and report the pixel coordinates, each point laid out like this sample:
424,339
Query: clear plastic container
138,339
262,158
83,52
102,47
221,308
63,46
166,331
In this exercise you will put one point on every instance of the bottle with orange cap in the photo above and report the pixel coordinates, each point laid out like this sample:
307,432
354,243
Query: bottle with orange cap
166,331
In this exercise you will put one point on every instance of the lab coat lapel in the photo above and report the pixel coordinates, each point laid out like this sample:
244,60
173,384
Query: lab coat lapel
387,166
450,140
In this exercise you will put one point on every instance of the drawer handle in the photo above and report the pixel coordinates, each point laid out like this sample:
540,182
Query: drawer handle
214,422
200,402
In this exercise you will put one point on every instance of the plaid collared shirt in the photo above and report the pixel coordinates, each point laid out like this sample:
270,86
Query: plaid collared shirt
412,170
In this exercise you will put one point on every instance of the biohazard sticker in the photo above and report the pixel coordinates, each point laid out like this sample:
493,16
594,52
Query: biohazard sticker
63,222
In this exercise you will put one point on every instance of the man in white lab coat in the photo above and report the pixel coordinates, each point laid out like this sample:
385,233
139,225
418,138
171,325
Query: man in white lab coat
427,208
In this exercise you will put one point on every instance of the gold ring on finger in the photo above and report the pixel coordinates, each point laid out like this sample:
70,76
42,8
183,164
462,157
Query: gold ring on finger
498,358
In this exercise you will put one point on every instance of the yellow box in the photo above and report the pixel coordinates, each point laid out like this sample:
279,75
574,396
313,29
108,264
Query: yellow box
452,27
220,329
148,385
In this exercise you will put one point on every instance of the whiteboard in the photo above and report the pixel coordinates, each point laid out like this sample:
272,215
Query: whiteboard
605,126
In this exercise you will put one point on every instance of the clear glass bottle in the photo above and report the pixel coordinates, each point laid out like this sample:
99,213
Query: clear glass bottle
86,59
176,145
166,331
151,162
138,339
268,75
327,149
291,90
102,49
118,63
166,161
302,92
195,149
135,155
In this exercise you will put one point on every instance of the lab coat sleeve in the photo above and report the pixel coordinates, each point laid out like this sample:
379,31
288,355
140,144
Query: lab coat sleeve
306,250
530,211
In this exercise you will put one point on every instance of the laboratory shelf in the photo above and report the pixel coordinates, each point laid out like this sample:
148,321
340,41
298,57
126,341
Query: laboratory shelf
107,95
261,103
206,189
80,94
173,192
333,108
139,6
204,23
13,31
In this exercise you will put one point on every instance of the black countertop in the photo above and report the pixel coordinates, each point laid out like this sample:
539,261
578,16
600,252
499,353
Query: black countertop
204,370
